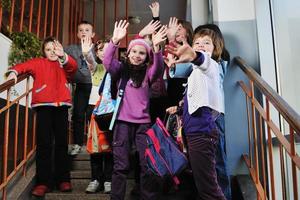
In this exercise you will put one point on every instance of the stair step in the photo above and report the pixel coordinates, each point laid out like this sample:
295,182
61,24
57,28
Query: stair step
72,196
81,165
78,192
81,174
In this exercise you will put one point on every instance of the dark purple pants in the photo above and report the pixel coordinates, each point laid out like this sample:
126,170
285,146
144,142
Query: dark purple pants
125,134
201,150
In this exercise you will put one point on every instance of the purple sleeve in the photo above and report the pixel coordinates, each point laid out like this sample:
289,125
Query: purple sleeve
199,59
112,65
157,67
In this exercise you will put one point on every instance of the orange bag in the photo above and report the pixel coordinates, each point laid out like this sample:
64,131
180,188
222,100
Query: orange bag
97,141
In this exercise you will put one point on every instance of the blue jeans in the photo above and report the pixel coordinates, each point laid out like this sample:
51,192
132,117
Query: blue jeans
221,159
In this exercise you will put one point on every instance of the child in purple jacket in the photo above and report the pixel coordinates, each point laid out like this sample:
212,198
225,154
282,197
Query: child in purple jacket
142,66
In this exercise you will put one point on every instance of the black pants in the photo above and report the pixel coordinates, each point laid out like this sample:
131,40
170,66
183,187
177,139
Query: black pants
80,105
201,151
102,166
52,128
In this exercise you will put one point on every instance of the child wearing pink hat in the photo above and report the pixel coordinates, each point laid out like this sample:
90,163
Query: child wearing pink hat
133,119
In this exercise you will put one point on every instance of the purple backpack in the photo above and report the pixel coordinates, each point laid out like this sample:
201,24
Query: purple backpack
162,153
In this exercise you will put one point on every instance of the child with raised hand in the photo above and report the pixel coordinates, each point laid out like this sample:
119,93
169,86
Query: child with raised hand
203,103
221,156
102,160
142,66
83,54
179,31
51,99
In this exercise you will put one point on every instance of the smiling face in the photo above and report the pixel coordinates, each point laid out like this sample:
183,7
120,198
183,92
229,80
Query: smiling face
49,51
204,43
137,55
85,30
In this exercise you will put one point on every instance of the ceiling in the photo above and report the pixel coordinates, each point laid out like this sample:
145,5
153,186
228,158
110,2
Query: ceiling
139,8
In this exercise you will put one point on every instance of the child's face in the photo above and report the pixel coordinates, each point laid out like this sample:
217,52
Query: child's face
100,52
137,55
49,51
180,34
85,30
203,43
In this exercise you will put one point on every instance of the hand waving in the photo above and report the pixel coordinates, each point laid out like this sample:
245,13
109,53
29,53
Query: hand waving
150,28
184,53
86,45
172,28
120,31
154,9
159,37
58,49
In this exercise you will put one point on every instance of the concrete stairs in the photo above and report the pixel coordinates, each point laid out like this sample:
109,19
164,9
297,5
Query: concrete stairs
80,178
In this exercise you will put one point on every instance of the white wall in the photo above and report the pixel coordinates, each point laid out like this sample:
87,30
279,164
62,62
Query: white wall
5,44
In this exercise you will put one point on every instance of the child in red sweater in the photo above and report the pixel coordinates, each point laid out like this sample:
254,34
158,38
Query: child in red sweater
51,99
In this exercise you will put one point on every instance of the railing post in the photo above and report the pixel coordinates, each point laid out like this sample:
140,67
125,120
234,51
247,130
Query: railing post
30,15
249,131
22,15
5,144
11,19
293,154
39,19
46,18
262,147
16,135
26,125
270,149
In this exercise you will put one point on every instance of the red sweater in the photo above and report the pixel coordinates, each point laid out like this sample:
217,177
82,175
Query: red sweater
50,86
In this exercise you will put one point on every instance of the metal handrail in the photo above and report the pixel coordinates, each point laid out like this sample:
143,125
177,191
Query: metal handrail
291,116
258,117
10,143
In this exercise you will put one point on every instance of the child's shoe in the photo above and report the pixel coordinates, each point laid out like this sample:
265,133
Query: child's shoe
93,187
107,187
75,150
40,190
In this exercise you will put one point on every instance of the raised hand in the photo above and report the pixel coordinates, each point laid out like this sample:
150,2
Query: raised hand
170,59
86,45
58,49
184,53
119,31
172,28
150,28
154,9
159,37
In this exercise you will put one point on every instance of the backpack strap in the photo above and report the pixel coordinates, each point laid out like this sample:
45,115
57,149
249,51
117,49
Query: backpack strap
102,84
124,80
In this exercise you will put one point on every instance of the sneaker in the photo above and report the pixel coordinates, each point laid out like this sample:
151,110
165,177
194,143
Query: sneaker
75,150
40,190
92,187
107,187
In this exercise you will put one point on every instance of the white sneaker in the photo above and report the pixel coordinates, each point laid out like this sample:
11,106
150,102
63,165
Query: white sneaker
107,187
75,150
92,187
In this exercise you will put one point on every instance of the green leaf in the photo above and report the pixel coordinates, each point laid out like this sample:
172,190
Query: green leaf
25,46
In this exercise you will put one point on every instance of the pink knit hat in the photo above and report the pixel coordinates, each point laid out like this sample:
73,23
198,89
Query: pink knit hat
141,42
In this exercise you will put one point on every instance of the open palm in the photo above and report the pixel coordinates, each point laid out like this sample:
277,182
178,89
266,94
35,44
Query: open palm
120,31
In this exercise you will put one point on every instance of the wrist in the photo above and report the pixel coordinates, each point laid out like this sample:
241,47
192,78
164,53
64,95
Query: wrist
115,40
